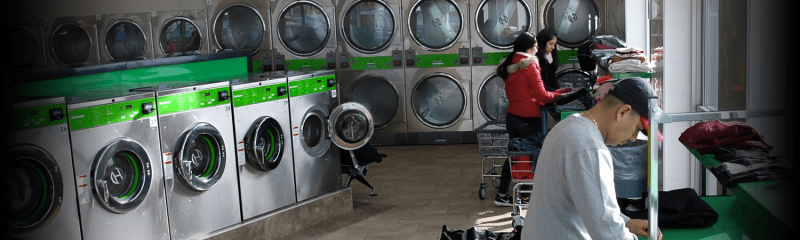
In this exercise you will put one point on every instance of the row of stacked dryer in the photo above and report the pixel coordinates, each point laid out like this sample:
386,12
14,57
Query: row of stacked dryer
174,161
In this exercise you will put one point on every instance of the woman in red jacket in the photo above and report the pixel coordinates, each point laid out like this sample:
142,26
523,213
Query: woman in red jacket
526,93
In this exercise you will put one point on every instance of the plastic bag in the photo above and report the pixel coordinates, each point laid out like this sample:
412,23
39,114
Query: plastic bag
472,233
630,168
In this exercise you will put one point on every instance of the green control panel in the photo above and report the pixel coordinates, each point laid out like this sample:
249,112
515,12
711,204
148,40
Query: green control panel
194,100
89,117
312,85
36,117
260,94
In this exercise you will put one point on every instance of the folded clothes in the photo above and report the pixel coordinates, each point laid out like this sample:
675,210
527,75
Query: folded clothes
628,65
706,136
680,208
740,166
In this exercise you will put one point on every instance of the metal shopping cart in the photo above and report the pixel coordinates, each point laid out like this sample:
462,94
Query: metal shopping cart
522,172
492,145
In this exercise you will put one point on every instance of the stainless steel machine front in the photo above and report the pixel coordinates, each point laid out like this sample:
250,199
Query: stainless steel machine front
439,105
181,32
40,200
27,45
72,42
125,37
305,35
242,25
118,168
263,144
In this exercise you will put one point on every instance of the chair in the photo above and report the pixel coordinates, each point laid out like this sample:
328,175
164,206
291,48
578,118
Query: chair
360,160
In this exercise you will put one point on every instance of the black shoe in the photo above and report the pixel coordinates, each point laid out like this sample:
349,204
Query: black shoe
502,201
523,201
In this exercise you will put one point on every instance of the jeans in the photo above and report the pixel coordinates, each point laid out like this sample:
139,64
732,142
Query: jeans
519,127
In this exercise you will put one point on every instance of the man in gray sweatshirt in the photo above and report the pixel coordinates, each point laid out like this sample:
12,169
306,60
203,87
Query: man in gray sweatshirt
573,195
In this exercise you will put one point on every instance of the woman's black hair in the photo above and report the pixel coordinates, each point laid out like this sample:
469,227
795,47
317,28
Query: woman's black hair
546,35
523,42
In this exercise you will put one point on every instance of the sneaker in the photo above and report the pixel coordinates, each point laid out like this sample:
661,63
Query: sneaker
502,201
523,201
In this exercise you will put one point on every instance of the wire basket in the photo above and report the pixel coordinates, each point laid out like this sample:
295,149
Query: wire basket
492,139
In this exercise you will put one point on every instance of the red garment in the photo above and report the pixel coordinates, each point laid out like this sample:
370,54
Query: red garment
706,136
525,88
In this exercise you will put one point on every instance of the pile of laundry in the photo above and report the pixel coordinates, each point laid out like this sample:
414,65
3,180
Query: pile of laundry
628,59
742,150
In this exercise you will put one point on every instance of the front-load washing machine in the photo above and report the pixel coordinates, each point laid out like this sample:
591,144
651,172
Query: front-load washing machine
26,45
371,65
197,148
304,34
179,33
439,105
242,25
264,153
575,21
72,42
497,23
437,33
118,168
39,202
125,37
312,97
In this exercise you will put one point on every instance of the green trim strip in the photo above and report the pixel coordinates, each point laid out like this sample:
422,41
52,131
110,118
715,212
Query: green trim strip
311,85
568,56
438,60
213,156
370,63
33,117
106,114
306,64
494,58
191,100
135,175
207,71
259,94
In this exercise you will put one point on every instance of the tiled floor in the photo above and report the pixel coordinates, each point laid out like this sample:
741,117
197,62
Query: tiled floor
420,188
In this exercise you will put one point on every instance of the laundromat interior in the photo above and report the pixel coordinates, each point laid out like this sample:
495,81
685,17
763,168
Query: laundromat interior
251,119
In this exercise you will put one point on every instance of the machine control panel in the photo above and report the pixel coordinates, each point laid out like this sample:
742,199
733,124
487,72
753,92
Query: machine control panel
411,56
477,55
331,58
397,59
344,60
463,56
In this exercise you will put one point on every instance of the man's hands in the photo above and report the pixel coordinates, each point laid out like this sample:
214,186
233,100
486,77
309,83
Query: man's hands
639,227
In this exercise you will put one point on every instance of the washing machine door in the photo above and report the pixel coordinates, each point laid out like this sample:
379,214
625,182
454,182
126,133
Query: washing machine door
492,100
351,126
240,27
23,47
378,95
121,175
33,183
574,78
435,24
71,43
180,35
200,154
313,132
264,144
500,22
303,28
439,100
368,25
575,21
125,40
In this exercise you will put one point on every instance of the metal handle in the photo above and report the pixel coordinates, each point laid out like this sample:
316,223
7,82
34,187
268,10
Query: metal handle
186,170
103,186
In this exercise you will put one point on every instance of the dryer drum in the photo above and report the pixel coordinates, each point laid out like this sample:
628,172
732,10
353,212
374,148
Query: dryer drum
574,78
313,132
125,40
438,100
379,96
71,44
34,190
492,100
180,36
23,47
500,22
264,144
352,126
435,24
121,176
575,21
368,25
239,27
201,157
303,28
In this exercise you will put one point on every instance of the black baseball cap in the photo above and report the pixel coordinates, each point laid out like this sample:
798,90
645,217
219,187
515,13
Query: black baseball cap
636,91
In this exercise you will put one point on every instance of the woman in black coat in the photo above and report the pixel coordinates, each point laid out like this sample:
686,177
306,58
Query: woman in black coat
548,57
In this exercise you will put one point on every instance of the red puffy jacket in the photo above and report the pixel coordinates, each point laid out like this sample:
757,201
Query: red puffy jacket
525,88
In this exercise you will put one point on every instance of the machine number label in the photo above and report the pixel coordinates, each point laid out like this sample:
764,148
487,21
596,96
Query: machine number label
168,171
153,122
333,93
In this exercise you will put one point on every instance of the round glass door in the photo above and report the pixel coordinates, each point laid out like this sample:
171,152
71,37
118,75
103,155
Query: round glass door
264,144
492,100
125,40
23,47
313,135
71,44
121,176
368,25
33,190
239,27
303,28
574,78
438,100
352,125
575,21
435,24
179,36
201,157
379,96
499,22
